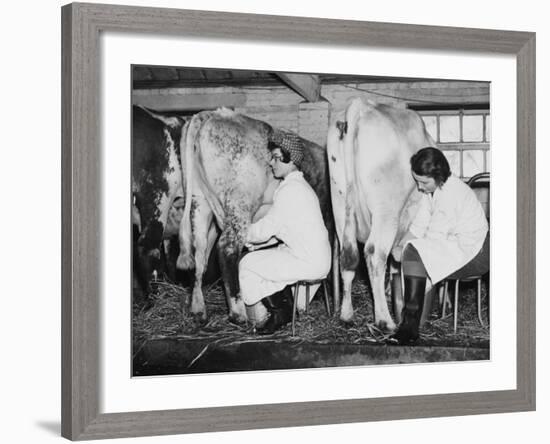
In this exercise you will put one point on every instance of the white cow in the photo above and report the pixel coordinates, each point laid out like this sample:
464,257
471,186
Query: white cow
373,193
227,179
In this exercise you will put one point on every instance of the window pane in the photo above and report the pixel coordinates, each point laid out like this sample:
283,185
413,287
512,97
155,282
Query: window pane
453,157
472,162
431,126
488,154
449,128
487,128
472,128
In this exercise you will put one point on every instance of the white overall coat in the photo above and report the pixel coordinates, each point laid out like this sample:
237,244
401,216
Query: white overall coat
450,228
294,218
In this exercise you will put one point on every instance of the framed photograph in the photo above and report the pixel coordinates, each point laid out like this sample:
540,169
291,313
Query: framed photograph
174,170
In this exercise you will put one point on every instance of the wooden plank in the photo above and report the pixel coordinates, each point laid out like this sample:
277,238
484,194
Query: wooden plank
67,396
236,81
141,73
180,102
464,146
526,223
216,419
333,32
164,74
81,185
307,85
430,95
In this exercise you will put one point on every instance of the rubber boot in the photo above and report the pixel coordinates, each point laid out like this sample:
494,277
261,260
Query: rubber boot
280,307
407,332
271,302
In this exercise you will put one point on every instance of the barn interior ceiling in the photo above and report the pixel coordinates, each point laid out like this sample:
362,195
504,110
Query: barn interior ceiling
145,77
426,92
456,111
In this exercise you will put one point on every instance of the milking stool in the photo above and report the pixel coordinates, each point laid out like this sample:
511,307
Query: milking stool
458,280
307,284
473,271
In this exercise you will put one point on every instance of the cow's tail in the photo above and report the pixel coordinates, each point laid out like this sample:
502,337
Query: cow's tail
341,159
194,165
337,173
172,122
341,146
189,134
209,193
195,160
355,110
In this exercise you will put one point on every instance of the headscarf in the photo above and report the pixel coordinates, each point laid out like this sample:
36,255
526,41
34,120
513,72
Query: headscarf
290,143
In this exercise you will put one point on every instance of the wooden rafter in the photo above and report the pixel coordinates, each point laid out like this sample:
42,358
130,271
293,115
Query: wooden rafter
307,85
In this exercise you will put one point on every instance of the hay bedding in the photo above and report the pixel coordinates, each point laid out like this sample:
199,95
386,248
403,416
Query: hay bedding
169,318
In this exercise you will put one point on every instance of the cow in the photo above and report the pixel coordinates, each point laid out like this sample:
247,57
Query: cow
157,182
228,180
374,197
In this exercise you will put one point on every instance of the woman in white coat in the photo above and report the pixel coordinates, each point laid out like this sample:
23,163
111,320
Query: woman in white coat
296,221
449,233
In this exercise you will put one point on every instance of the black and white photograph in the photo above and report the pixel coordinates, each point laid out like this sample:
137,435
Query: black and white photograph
271,222
285,220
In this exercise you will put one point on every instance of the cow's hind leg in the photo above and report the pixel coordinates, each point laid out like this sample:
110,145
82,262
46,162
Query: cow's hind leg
202,227
230,246
349,259
346,313
377,249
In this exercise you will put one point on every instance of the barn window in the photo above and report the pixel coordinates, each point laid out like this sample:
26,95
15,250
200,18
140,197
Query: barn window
463,135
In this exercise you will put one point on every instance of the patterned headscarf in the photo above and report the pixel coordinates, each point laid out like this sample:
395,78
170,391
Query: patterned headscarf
290,143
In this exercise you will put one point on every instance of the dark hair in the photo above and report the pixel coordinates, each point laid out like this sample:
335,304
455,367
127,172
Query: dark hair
431,162
286,154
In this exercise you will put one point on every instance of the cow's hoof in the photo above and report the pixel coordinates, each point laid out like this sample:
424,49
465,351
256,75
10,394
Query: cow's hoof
386,327
238,319
198,310
346,317
200,317
347,323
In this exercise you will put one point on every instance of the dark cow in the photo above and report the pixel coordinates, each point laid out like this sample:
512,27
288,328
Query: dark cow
373,193
156,183
229,178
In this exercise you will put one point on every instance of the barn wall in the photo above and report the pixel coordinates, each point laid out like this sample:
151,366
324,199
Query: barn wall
282,107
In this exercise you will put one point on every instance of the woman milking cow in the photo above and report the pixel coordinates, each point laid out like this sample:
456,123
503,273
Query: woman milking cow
302,250
448,234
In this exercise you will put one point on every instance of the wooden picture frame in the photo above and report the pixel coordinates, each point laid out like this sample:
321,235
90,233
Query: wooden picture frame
81,172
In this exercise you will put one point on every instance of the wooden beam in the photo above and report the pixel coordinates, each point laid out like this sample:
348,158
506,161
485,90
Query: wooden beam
141,73
165,74
414,95
190,102
307,85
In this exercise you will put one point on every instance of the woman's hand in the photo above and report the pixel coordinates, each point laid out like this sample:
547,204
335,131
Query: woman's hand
258,246
262,211
397,251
